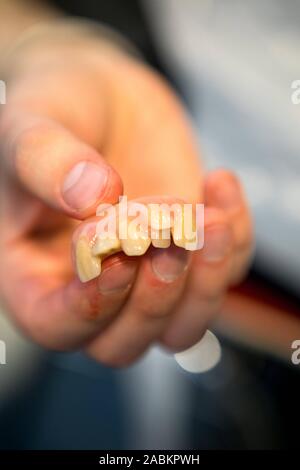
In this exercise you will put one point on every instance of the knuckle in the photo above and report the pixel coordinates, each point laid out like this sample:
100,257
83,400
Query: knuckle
153,311
31,135
211,293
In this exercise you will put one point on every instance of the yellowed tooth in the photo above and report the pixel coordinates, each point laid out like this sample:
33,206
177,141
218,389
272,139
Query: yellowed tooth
184,230
160,238
137,241
106,246
159,217
88,266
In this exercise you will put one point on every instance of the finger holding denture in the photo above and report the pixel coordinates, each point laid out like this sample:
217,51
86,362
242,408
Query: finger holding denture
131,229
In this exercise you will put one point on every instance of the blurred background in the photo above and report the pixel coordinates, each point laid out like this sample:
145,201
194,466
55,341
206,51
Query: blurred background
233,62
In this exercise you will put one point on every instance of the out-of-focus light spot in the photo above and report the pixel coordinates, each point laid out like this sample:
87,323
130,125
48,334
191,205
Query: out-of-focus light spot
201,357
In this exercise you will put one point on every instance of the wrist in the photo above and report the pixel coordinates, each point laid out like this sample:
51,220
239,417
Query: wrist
17,16
65,39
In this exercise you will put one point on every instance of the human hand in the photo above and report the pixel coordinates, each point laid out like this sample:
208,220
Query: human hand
78,130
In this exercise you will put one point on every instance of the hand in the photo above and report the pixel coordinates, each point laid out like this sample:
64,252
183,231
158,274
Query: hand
78,130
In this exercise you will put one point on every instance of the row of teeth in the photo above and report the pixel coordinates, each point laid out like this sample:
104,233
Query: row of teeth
90,254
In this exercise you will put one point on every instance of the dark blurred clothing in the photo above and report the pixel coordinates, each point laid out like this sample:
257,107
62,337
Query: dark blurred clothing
248,401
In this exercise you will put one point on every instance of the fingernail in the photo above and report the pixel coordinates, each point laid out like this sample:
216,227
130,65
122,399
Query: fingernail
168,264
117,278
217,244
84,185
229,194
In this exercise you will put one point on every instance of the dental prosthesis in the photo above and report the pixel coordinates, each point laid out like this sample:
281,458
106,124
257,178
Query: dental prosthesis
134,236
113,233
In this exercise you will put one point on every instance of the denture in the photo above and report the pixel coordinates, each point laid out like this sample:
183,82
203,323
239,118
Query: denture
134,237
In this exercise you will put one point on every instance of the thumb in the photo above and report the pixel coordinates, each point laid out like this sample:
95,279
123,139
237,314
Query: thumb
57,167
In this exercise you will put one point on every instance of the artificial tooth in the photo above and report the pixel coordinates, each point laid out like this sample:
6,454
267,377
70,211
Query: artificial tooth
106,246
159,217
137,241
88,266
184,231
160,238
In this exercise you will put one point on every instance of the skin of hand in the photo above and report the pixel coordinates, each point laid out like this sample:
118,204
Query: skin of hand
81,128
